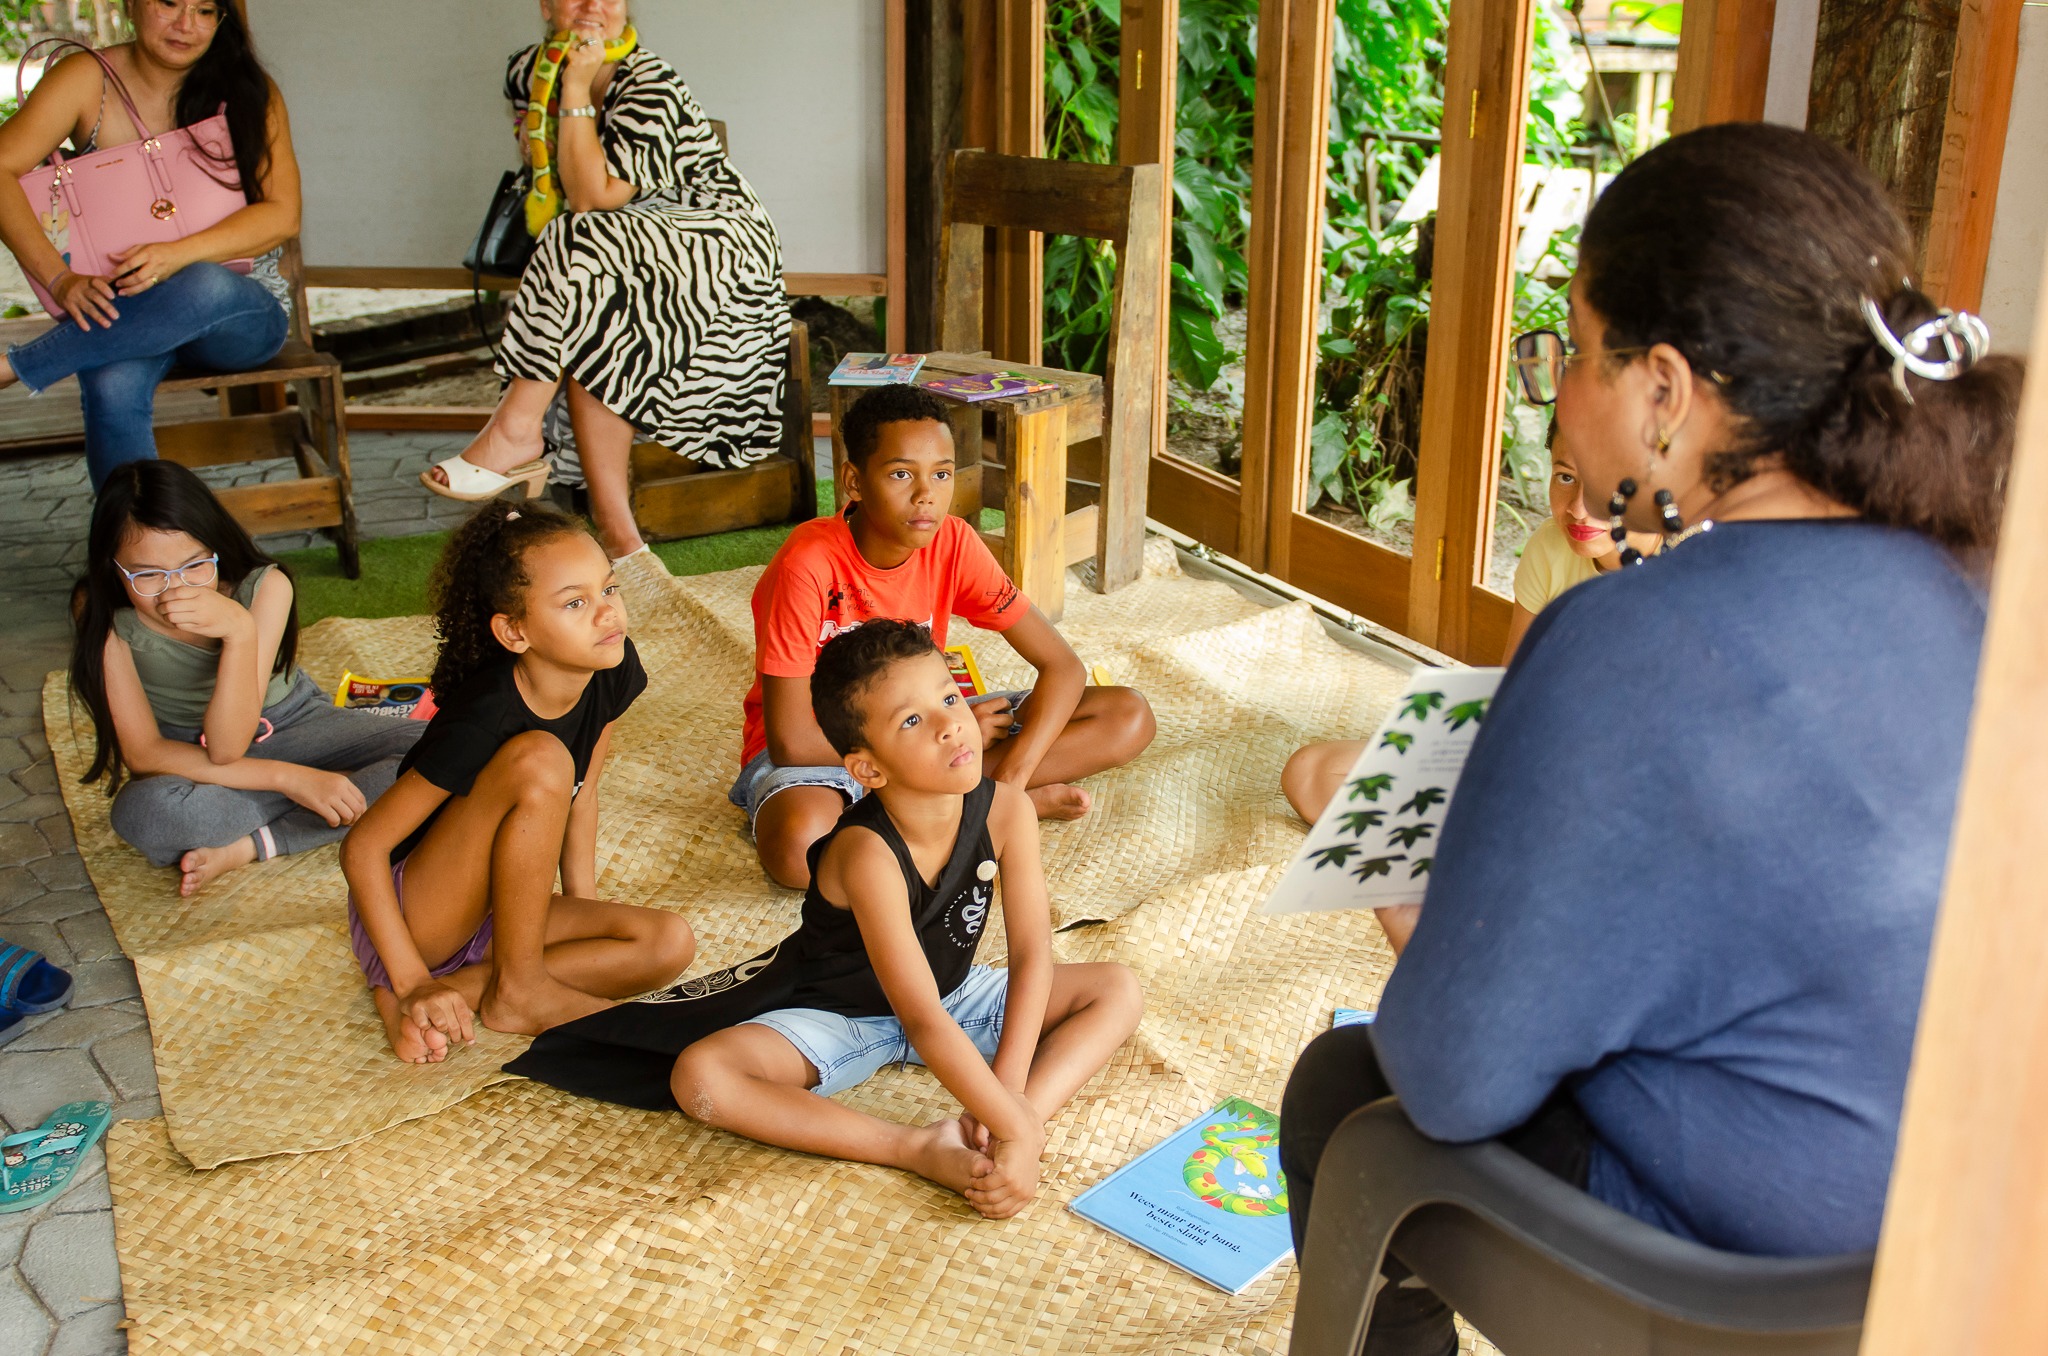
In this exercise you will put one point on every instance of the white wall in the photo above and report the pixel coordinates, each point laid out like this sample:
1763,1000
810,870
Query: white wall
402,129
2019,227
1794,28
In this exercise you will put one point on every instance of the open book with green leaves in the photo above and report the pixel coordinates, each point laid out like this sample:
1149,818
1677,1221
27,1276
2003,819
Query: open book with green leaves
1375,843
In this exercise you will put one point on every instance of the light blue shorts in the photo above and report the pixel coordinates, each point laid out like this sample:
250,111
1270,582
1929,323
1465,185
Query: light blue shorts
761,778
847,1051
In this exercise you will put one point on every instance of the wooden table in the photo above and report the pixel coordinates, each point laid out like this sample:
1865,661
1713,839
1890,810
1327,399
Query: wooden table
1042,535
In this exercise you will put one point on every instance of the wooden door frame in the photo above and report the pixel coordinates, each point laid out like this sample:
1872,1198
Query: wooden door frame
1724,62
1486,77
1013,326
1147,107
1972,152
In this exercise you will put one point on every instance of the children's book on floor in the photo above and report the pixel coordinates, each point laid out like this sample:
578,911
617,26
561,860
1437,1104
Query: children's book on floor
876,369
973,386
1376,840
402,698
1208,1198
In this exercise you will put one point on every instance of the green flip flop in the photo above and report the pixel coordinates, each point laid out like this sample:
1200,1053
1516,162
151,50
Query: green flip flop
36,1165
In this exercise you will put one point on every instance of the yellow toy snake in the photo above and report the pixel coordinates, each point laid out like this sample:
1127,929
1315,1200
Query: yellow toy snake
543,108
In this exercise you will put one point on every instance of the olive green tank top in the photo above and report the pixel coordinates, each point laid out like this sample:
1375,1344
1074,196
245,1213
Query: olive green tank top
177,675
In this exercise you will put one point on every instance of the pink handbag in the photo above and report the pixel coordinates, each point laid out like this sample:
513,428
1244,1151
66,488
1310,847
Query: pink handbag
161,188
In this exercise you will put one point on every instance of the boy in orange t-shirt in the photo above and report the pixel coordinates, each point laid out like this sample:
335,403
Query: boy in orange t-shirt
898,552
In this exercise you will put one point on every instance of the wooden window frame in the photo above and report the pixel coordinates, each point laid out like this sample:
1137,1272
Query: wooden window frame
1434,595
1973,150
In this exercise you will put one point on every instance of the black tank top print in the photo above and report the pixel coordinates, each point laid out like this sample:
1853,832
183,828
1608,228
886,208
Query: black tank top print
948,914
625,1053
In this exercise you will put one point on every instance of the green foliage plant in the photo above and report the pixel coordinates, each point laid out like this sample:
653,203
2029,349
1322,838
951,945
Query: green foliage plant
1386,110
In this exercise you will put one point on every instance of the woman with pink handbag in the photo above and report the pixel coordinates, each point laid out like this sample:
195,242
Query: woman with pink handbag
171,297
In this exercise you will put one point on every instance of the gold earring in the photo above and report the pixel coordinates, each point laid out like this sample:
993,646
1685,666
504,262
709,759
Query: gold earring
1663,442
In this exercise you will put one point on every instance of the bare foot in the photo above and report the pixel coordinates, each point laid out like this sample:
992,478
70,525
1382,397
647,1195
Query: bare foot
201,865
1060,801
939,1152
7,377
407,1042
507,441
532,1010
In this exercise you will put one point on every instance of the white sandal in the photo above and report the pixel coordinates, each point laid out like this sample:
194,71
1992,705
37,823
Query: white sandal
473,484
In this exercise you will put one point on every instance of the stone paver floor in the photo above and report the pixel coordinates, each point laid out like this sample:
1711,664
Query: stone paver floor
60,1286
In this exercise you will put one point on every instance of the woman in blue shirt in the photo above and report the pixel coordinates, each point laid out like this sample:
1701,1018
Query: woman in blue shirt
1679,921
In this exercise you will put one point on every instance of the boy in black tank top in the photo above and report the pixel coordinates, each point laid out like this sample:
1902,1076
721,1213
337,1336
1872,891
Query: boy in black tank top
882,969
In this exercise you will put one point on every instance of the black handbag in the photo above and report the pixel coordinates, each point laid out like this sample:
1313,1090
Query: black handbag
502,247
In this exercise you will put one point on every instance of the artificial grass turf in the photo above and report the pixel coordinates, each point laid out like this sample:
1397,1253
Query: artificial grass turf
395,569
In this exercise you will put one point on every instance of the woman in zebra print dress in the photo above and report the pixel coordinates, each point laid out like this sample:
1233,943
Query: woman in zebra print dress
656,297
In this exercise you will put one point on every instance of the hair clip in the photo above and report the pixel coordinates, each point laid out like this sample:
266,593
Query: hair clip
1964,340
511,515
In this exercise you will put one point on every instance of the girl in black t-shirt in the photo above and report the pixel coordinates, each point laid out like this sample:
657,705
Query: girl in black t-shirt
452,909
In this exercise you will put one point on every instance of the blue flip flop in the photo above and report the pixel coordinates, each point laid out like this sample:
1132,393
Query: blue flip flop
28,983
36,1165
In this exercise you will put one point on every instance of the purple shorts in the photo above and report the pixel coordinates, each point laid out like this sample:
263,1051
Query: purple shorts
470,952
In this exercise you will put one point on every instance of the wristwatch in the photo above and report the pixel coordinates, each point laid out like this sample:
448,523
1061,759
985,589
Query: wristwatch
587,111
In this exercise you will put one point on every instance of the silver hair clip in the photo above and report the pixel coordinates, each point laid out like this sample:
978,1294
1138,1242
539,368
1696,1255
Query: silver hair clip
1964,340
511,515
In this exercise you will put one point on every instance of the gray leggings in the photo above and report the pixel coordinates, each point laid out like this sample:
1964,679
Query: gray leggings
165,816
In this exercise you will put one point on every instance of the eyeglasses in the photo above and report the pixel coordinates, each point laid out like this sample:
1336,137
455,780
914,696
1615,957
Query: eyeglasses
200,574
1539,359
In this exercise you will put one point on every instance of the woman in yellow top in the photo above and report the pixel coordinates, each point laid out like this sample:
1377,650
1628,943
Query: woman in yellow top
1569,549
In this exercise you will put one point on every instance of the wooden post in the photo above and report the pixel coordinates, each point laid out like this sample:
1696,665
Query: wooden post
1972,152
1290,153
1147,101
1724,62
1036,506
1016,293
1485,105
896,95
1965,1244
1134,391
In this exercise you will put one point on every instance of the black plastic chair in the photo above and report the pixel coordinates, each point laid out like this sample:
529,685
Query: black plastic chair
1541,1268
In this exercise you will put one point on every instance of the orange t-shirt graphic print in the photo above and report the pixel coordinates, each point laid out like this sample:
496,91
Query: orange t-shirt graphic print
819,584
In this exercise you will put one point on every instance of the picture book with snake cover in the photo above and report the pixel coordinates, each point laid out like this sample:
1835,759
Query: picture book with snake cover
1208,1198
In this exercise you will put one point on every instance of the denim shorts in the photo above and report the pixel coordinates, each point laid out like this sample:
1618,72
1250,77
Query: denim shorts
847,1051
761,778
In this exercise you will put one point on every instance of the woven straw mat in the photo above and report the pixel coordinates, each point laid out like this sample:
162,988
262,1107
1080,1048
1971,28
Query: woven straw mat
519,1218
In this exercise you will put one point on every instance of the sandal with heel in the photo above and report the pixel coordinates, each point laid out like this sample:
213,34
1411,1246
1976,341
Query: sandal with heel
473,484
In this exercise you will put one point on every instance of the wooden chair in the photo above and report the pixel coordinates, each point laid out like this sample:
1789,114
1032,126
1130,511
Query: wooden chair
1052,522
675,497
312,432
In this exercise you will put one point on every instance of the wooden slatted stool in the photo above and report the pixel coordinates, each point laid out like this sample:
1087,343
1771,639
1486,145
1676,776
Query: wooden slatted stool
676,497
1107,421
313,433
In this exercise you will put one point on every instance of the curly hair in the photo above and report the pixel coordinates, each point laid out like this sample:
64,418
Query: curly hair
1749,248
847,667
862,429
482,573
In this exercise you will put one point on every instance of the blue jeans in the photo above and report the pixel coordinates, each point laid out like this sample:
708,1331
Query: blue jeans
203,316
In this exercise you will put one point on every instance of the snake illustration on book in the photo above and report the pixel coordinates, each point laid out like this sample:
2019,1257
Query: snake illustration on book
1246,1142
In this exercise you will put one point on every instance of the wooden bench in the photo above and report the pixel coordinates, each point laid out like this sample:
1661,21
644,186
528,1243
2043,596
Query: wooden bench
312,432
676,497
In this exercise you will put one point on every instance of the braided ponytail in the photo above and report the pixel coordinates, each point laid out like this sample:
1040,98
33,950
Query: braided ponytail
482,573
1751,249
